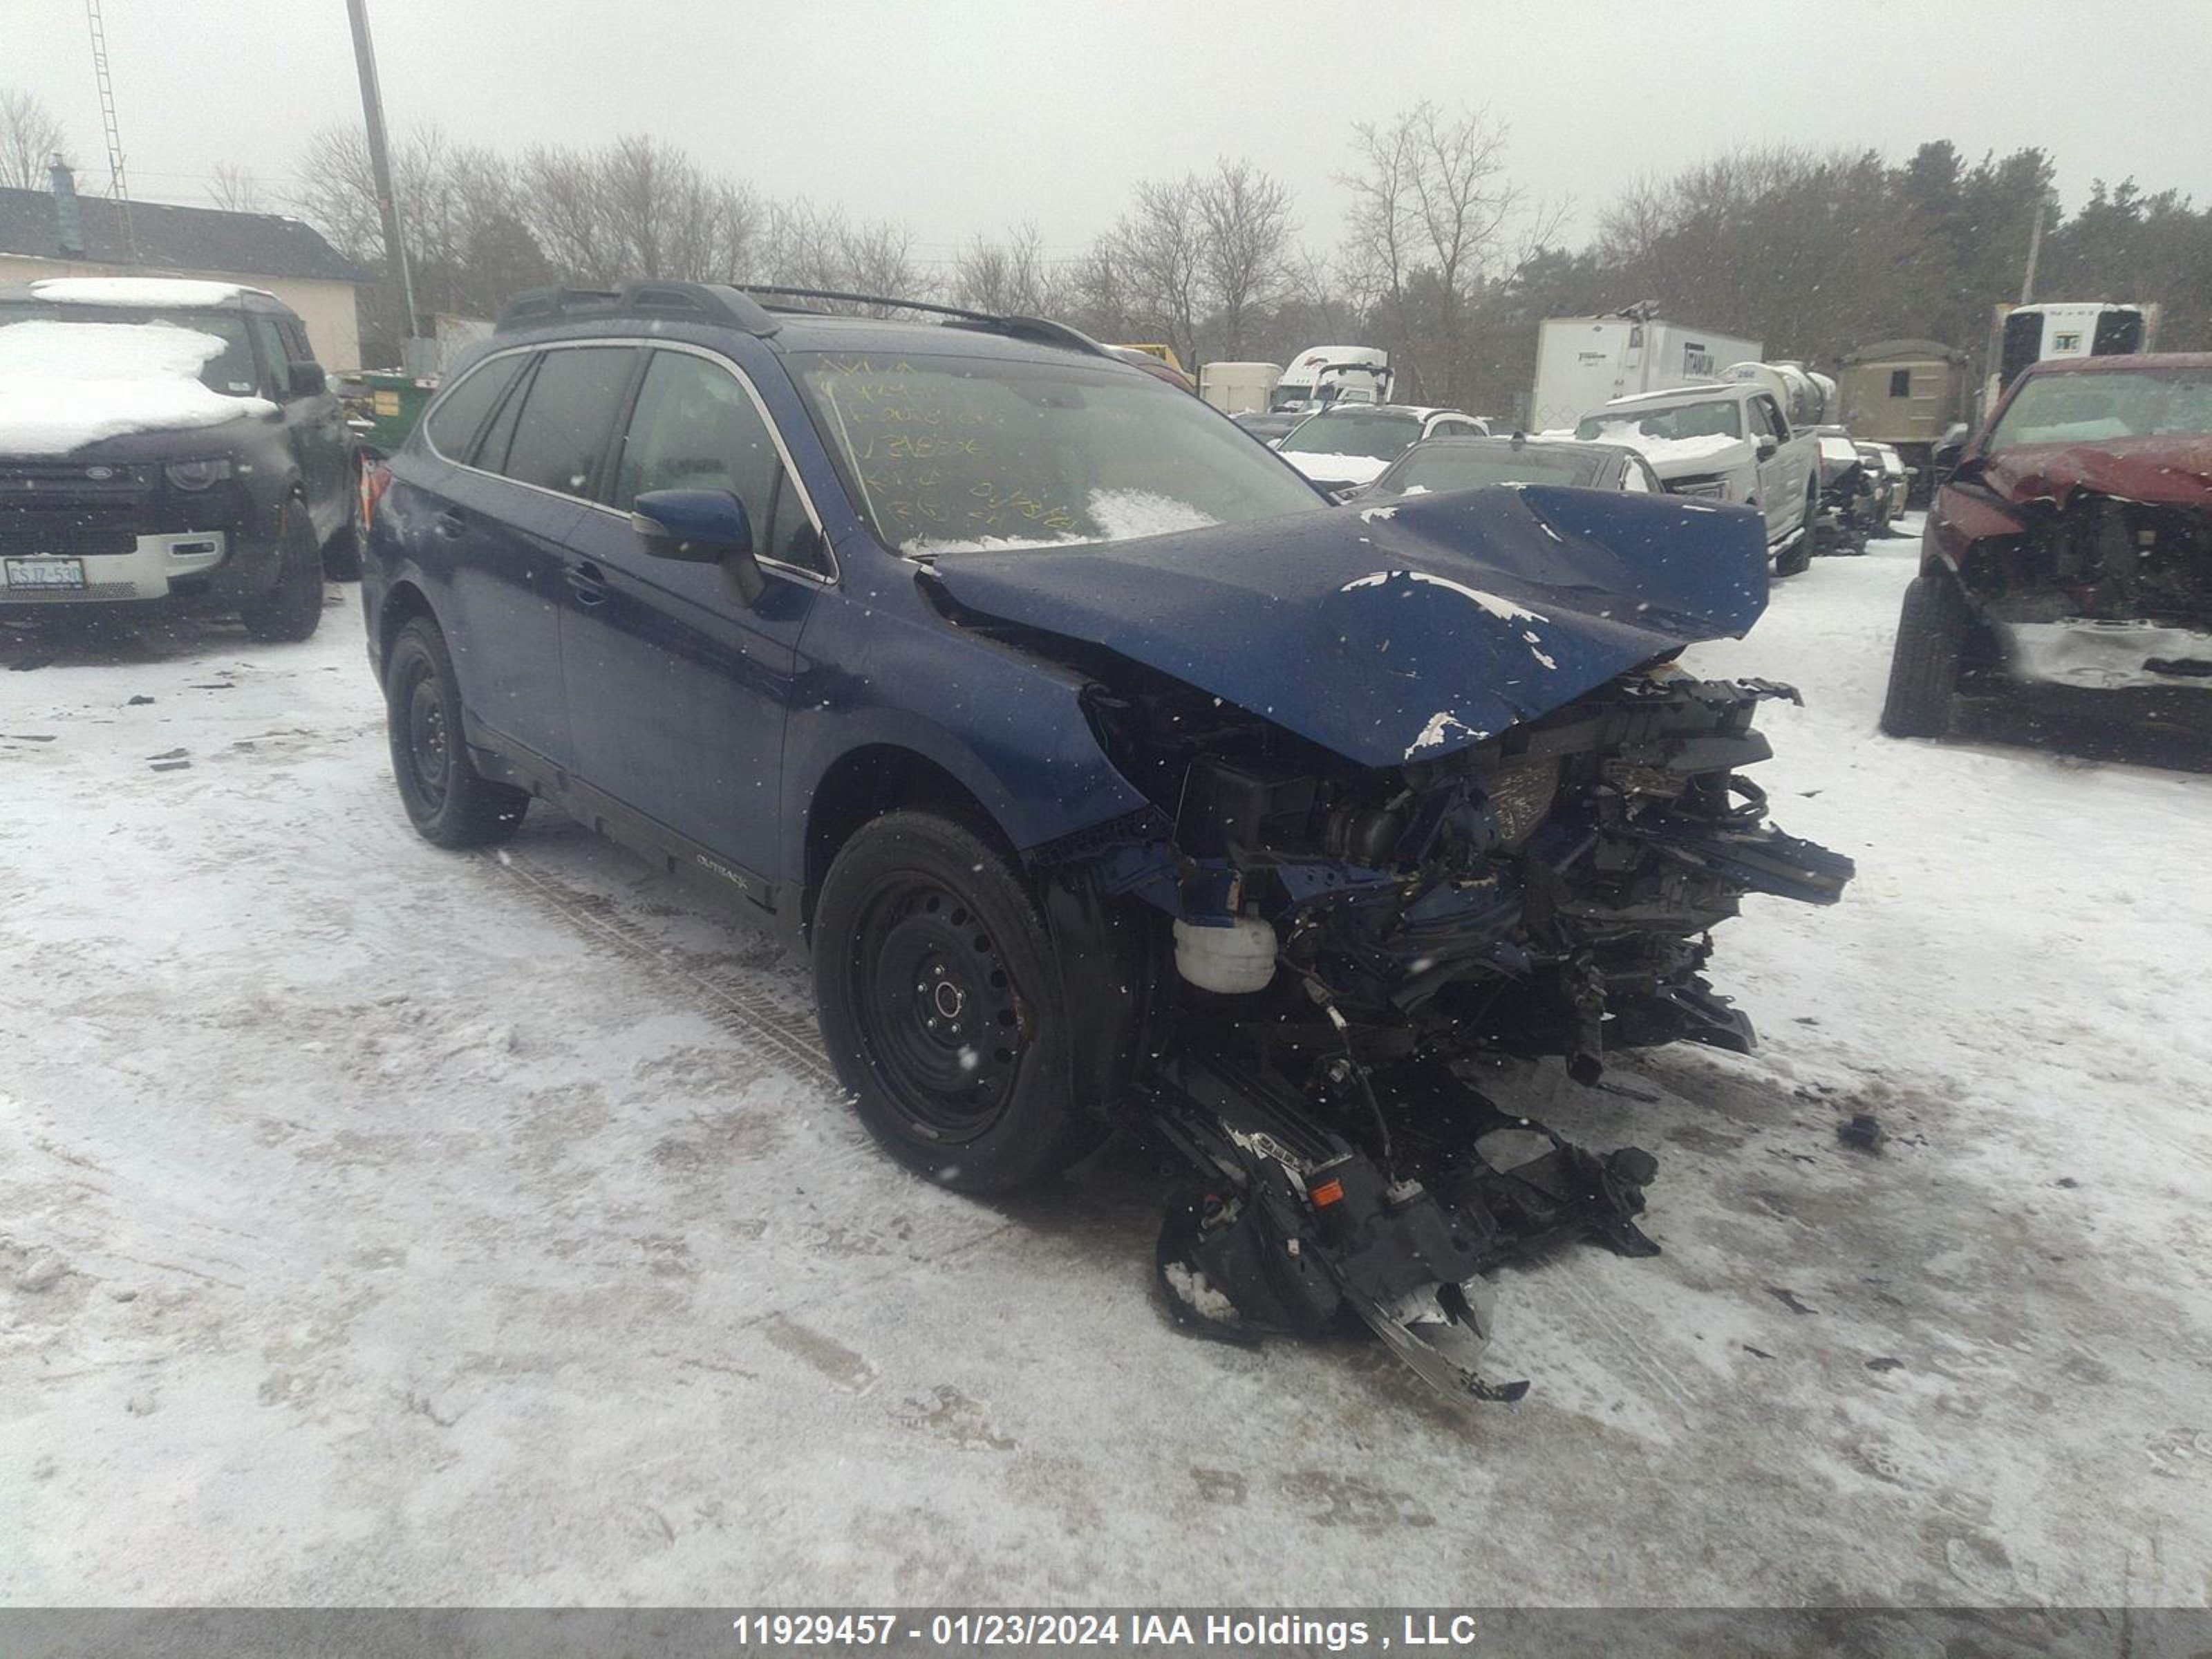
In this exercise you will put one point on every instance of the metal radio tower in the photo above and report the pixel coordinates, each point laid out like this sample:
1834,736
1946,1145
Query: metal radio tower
115,180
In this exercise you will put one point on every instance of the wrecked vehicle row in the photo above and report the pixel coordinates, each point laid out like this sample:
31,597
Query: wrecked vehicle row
1112,778
2072,548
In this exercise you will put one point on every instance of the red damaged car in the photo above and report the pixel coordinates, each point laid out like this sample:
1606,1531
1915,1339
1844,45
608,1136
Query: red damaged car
2072,545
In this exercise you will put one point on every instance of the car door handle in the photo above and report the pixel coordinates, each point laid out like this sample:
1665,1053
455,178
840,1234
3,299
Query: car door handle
588,581
451,523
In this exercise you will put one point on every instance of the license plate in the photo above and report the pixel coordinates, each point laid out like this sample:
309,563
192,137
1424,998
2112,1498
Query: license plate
28,574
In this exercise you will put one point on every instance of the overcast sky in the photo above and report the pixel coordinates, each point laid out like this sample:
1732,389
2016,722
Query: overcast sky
967,116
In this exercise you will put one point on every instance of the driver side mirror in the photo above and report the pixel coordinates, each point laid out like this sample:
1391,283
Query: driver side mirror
307,380
701,526
1766,447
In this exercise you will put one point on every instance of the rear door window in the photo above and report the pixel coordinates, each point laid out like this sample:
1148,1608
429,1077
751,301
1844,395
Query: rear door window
453,426
566,415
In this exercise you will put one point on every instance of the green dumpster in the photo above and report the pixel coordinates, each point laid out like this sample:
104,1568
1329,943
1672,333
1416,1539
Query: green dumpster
383,405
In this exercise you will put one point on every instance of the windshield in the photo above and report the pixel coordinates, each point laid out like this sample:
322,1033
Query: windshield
1355,432
1433,469
2097,408
1719,417
951,454
229,371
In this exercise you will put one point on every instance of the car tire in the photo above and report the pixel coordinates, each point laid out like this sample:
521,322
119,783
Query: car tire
940,1000
448,801
1923,666
292,609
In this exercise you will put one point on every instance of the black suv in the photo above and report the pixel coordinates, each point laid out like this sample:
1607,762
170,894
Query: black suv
1110,774
164,444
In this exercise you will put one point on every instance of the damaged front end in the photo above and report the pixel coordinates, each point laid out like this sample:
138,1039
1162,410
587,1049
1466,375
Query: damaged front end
1496,822
1355,945
2092,569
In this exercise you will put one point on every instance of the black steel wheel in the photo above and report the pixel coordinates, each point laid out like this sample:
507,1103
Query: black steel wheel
448,801
944,1028
941,1002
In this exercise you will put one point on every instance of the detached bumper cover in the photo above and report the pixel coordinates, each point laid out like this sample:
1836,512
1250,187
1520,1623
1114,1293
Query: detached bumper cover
2092,655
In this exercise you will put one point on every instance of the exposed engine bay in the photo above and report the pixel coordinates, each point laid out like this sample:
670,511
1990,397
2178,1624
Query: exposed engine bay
2091,566
2102,592
1353,945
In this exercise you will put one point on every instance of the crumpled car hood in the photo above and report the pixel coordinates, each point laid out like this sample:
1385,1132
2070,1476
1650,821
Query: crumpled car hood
2172,471
1399,632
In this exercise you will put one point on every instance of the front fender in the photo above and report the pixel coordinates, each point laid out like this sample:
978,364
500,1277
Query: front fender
1959,520
1011,728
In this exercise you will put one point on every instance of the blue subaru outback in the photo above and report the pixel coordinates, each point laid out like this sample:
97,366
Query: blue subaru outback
1111,776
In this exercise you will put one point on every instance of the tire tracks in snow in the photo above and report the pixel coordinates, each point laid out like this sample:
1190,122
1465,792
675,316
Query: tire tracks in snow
793,1036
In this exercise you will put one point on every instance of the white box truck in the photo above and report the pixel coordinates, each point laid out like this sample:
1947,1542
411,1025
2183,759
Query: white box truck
1233,388
1583,362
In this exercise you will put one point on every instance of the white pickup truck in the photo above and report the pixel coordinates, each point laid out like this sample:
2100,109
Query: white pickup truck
1726,443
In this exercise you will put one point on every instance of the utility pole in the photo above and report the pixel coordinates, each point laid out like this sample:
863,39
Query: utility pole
416,351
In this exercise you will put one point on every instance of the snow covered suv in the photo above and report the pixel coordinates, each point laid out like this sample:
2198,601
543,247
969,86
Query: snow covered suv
1111,776
167,443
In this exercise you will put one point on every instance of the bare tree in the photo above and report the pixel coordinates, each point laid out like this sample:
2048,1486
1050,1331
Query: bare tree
878,258
1430,207
1161,247
565,207
1012,277
235,190
337,193
807,246
1098,295
1629,229
641,207
1246,253
31,141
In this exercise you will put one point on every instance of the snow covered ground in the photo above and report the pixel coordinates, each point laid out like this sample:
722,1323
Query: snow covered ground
382,1224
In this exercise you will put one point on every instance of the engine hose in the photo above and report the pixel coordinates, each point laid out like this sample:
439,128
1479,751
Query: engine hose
1321,995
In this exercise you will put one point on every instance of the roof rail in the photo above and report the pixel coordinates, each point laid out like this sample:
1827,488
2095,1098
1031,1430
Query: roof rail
701,302
866,299
1036,328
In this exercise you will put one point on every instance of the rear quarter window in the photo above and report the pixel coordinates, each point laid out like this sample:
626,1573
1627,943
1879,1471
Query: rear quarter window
453,426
